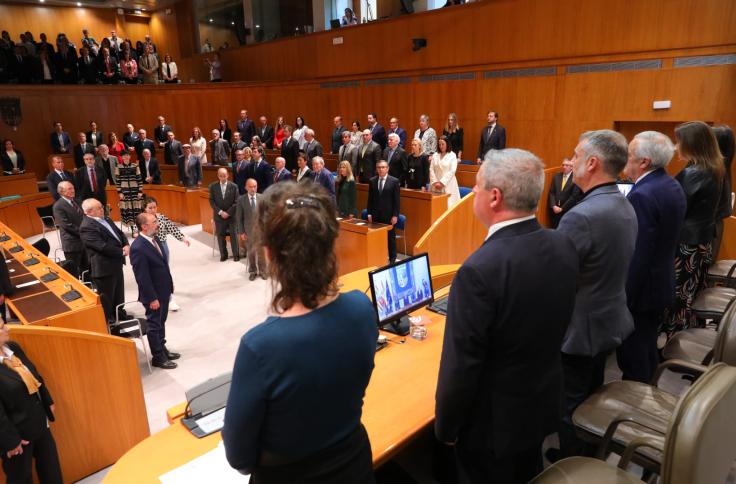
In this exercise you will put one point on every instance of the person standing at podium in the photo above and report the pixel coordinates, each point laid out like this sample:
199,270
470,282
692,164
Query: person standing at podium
384,200
296,397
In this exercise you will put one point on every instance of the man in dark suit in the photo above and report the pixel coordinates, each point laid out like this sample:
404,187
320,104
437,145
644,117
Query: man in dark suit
235,146
68,216
107,248
280,173
322,176
245,220
312,147
143,143
21,65
223,200
383,203
161,132
563,194
378,132
242,170
82,149
219,149
394,128
397,159
155,286
337,135
58,175
265,132
500,379
289,149
130,138
660,205
173,151
65,62
95,137
368,155
262,170
60,140
492,137
246,128
87,65
150,169
348,152
603,228
90,181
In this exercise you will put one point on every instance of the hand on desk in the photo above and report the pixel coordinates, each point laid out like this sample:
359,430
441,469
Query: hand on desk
18,450
187,242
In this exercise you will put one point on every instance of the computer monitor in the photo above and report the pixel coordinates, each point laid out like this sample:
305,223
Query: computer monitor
335,23
398,290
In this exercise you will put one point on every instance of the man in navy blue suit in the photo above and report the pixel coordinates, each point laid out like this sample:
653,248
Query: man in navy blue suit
280,173
323,176
262,170
660,206
60,140
155,286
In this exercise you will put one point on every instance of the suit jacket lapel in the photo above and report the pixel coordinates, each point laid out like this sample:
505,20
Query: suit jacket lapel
9,372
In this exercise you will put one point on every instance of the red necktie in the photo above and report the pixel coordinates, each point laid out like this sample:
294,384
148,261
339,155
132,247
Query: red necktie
93,179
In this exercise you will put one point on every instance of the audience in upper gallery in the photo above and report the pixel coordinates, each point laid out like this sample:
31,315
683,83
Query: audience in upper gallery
169,71
215,67
12,159
702,181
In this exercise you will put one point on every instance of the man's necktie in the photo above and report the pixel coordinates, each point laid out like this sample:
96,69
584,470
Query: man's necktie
564,181
158,248
380,185
93,179
24,373
253,203
76,208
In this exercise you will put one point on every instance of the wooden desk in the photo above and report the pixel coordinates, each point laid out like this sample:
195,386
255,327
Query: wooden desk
41,304
20,213
420,208
178,203
18,184
398,405
361,245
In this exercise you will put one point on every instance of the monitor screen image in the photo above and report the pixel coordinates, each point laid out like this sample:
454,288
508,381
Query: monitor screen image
401,288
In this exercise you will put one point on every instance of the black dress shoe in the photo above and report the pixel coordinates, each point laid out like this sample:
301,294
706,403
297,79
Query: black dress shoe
171,355
252,276
223,258
236,258
166,365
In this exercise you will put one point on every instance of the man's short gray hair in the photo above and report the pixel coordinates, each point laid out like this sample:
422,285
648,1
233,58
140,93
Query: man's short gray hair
310,132
145,150
63,186
655,146
346,133
90,204
318,159
393,136
608,146
518,174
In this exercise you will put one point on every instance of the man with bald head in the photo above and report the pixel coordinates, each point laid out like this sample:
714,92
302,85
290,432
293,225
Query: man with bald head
68,216
107,248
223,200
246,216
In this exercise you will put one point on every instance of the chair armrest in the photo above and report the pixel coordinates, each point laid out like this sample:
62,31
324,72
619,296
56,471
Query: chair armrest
696,368
730,280
643,441
652,423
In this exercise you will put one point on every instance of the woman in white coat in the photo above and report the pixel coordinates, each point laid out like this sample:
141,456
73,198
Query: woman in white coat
442,172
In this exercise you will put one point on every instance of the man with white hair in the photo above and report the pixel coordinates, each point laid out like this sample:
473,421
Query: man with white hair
323,176
106,162
68,216
660,205
220,149
312,147
506,318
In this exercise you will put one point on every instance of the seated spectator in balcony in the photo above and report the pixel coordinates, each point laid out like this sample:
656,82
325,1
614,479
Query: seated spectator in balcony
81,149
169,72
21,65
66,63
349,18
107,66
44,44
87,64
149,66
129,68
117,147
45,72
13,162
60,140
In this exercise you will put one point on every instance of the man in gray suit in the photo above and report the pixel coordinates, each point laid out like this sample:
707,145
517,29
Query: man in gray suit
348,152
245,219
603,228
223,200
312,147
369,154
220,149
68,216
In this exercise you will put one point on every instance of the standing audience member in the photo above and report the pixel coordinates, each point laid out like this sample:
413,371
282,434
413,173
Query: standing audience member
82,149
45,68
280,173
304,174
563,193
331,445
65,63
603,228
348,152
155,287
107,66
346,191
242,169
220,149
279,135
90,180
148,66
378,132
94,136
107,248
369,153
245,221
12,159
169,71
702,181
356,134
454,134
322,176
129,183
384,204
225,132
417,172
116,147
299,131
394,128
396,158
500,363
87,63
246,128
289,149
27,408
130,138
265,132
161,132
190,168
128,68
57,175
660,204
336,135
143,143
107,163
724,137
215,67
150,169
68,216
223,200
60,141
262,170
199,145
442,171
312,147
236,145
492,137
173,151
427,135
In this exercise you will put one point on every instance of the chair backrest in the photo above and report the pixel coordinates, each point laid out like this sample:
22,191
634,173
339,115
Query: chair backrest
401,222
699,447
724,351
46,214
70,266
43,246
364,214
465,191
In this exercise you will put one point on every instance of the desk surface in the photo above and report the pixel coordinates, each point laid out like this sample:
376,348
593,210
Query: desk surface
398,404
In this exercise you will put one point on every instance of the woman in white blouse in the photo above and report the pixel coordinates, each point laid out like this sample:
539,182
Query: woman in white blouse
356,134
199,145
427,134
169,72
442,172
12,160
300,129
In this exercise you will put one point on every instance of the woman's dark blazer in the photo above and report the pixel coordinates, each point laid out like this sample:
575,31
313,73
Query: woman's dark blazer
8,165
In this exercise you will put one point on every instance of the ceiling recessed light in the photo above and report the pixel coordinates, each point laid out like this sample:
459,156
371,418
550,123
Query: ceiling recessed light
79,4
211,20
41,1
232,23
258,26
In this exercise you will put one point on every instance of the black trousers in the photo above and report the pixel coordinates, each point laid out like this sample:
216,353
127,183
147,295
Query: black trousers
582,376
19,468
256,260
638,356
80,259
112,292
222,243
392,245
476,467
156,322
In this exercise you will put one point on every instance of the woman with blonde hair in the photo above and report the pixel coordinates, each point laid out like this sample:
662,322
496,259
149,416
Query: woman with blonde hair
454,134
346,190
199,145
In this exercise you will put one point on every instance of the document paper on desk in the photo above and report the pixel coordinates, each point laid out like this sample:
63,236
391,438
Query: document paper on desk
209,467
26,284
212,422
